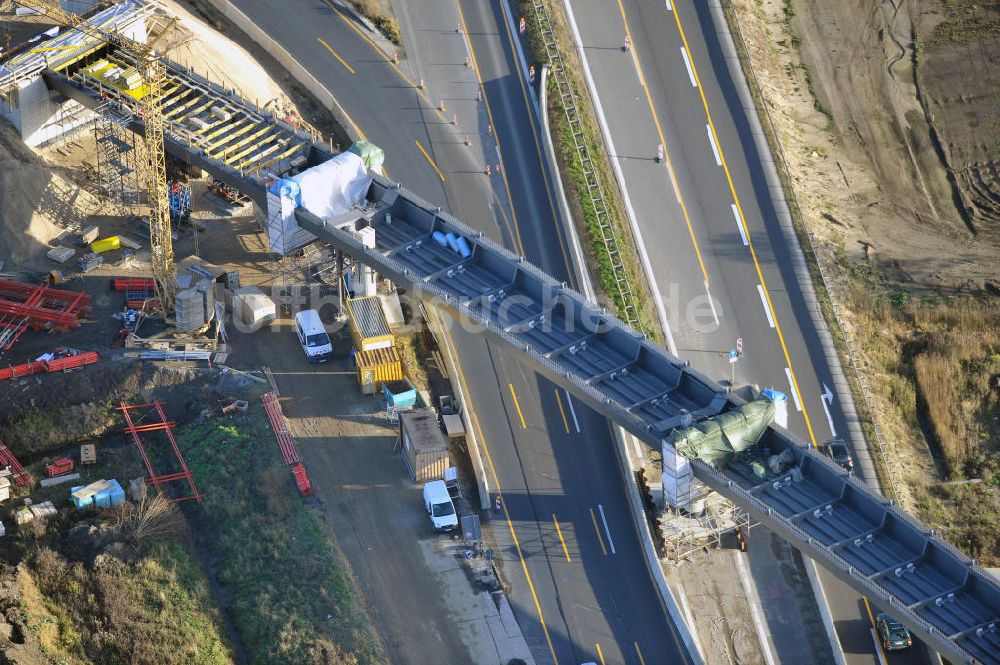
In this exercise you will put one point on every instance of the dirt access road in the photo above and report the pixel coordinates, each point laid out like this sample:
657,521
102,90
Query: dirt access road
369,501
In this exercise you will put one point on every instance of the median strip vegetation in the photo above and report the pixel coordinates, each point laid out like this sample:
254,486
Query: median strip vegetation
573,178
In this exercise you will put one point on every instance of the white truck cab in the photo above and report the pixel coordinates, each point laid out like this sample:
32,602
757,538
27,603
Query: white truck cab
439,506
312,336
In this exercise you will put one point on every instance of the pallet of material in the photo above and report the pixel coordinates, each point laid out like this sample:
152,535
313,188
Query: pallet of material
61,254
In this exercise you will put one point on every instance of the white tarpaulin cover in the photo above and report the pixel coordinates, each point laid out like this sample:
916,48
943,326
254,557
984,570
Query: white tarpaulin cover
333,187
326,190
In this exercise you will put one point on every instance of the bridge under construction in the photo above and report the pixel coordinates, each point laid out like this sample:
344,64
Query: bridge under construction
892,559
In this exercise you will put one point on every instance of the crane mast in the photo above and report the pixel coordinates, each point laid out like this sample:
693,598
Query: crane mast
153,74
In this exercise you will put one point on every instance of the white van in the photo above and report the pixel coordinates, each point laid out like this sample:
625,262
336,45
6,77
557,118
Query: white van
312,336
439,506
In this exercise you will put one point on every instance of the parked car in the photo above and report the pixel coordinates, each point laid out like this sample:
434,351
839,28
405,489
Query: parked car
838,451
439,506
312,336
893,634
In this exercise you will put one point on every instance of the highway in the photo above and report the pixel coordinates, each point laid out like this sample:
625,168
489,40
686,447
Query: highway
706,219
580,587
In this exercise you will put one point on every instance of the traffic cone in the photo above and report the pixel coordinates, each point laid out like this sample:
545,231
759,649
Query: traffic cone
468,139
395,57
454,119
421,85
441,106
467,63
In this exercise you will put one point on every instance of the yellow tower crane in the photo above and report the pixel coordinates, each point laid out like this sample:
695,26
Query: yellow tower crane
148,107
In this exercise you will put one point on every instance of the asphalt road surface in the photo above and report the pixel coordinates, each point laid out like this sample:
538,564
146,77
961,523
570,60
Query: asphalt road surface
591,600
673,88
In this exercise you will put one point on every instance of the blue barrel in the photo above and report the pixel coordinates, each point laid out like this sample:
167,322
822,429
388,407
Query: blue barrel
440,238
463,247
452,241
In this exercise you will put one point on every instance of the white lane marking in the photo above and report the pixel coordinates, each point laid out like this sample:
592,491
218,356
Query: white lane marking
687,63
499,160
878,647
739,225
754,602
795,393
611,543
711,303
715,148
763,301
638,449
829,419
667,3
572,411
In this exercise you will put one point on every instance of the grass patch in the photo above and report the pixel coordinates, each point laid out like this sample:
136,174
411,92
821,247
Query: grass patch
150,609
571,169
386,23
293,597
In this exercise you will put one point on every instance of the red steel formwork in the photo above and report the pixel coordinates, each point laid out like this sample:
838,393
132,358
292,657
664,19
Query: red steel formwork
286,443
21,477
136,427
24,306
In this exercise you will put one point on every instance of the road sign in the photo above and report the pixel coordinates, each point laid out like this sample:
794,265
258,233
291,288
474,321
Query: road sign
739,345
734,355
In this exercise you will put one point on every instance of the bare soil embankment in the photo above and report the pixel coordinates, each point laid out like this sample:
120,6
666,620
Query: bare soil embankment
887,116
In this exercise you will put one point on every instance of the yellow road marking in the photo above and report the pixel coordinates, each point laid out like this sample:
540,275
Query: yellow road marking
388,59
878,640
561,539
489,114
503,503
336,55
638,652
600,654
600,538
562,411
746,228
538,152
429,160
663,141
517,405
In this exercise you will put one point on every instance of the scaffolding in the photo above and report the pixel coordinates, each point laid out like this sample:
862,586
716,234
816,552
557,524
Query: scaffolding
117,175
701,525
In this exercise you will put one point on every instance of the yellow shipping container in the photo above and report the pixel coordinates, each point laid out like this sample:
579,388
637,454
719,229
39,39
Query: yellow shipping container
369,328
377,367
105,244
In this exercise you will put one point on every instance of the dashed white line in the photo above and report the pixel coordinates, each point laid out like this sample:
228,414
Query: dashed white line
739,225
763,301
711,303
715,148
611,543
667,3
572,411
795,393
687,63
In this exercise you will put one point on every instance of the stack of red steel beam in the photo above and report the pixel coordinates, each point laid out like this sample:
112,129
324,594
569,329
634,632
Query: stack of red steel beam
24,306
286,443
55,365
21,477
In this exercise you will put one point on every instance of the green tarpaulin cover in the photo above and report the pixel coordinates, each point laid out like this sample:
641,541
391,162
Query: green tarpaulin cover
370,154
718,440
